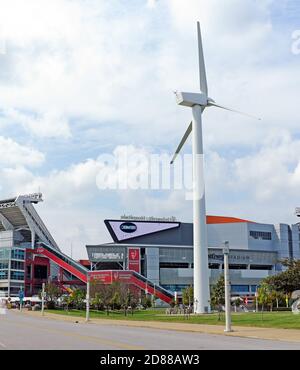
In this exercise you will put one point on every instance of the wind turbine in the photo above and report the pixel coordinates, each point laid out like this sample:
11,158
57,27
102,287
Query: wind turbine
198,102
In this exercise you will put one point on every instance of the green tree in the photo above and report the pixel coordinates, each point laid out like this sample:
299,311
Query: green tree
53,292
188,296
115,299
97,302
288,280
275,296
265,296
106,293
128,298
146,301
218,295
76,298
279,297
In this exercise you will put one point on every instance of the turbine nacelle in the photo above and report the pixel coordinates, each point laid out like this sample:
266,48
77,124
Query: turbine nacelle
190,99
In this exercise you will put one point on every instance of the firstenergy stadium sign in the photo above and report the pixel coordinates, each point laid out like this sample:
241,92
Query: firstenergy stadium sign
125,230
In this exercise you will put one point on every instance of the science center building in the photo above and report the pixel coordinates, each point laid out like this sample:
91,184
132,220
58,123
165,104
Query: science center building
163,251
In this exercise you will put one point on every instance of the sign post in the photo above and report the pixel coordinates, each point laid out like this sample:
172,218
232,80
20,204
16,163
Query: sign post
21,298
43,298
227,288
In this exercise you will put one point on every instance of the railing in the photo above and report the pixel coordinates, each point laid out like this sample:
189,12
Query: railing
153,286
64,261
82,273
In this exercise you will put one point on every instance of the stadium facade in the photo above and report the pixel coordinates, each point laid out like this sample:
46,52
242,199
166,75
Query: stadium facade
21,232
155,256
163,252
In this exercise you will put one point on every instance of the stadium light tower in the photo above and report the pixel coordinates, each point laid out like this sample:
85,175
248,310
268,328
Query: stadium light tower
198,102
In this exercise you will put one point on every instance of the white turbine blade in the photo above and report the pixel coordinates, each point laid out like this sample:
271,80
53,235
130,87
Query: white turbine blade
183,140
211,103
202,71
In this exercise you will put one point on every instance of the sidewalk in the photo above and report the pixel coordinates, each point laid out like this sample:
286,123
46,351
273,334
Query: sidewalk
288,335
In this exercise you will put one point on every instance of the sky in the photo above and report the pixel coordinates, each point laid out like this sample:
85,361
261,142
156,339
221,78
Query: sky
80,79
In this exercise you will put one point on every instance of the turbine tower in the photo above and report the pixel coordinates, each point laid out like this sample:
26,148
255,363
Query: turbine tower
198,102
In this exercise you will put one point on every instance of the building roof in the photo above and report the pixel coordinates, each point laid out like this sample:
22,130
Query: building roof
162,233
224,220
19,213
85,263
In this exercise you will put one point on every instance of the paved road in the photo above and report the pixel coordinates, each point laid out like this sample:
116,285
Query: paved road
22,331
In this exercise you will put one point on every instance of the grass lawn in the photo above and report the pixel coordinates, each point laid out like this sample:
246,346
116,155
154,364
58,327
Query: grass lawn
284,320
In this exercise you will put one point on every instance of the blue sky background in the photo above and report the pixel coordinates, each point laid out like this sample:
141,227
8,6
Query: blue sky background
82,78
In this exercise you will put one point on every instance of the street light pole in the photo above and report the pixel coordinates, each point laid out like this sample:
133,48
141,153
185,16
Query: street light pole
43,298
227,288
87,319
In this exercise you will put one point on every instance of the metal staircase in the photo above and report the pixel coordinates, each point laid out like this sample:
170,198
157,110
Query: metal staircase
106,277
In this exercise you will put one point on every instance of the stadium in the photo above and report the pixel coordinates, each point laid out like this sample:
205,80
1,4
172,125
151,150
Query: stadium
155,256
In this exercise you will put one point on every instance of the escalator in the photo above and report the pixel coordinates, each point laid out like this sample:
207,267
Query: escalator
106,277
151,288
63,261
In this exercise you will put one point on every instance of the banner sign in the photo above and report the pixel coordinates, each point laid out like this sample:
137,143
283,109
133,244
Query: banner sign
104,277
108,277
134,260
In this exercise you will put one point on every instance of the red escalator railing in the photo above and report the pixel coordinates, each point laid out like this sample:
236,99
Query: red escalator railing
106,277
65,262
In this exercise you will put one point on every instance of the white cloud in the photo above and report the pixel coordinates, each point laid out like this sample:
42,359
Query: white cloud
15,180
14,154
97,61
151,3
47,125
75,227
111,70
272,173
75,61
261,186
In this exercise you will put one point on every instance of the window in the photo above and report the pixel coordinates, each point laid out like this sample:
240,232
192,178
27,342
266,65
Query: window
175,288
175,265
4,253
238,267
3,265
18,254
214,266
261,267
14,290
239,288
3,275
261,235
17,275
17,265
254,288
